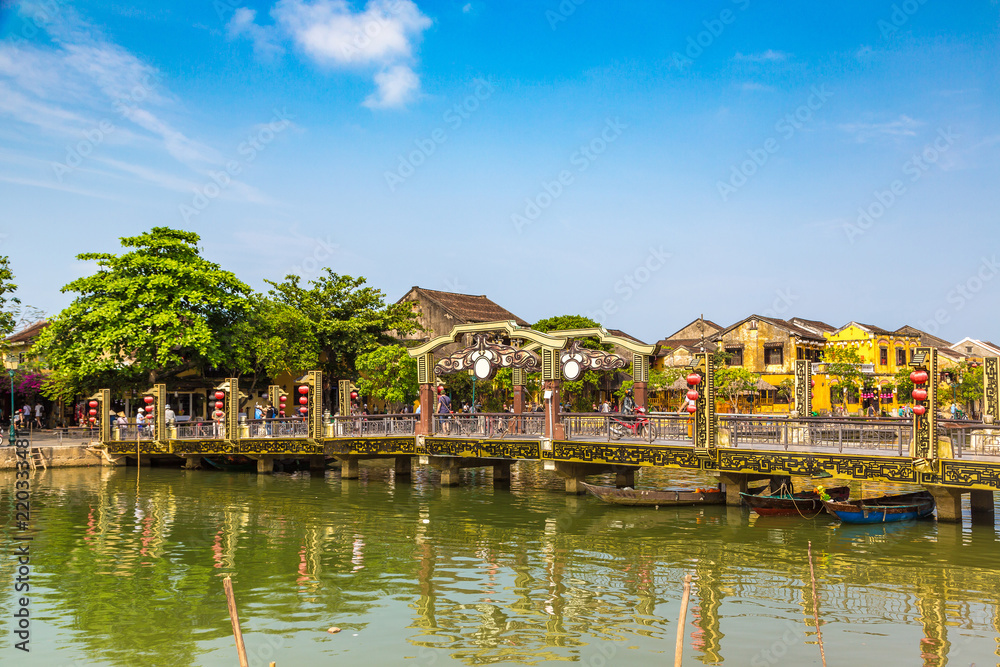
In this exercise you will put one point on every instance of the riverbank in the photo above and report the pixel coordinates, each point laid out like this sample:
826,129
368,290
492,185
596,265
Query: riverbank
55,455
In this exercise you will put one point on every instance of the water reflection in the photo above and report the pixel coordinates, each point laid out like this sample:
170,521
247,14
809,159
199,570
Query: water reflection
129,572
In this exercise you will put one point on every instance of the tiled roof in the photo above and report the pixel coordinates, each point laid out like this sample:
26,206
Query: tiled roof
469,307
784,324
29,333
812,324
872,328
710,325
927,339
622,334
693,344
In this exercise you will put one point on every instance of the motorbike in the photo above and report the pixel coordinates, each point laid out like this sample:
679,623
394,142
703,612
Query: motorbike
635,425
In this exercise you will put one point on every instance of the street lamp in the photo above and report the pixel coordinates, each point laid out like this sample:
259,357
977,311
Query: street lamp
10,363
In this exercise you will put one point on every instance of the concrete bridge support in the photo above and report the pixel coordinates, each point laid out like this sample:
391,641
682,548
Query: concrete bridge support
349,467
402,466
982,505
948,501
625,477
317,465
501,473
449,472
265,465
736,483
192,462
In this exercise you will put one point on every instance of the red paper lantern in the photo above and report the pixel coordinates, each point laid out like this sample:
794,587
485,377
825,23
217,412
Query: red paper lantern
304,389
694,379
93,419
919,394
282,400
692,395
810,394
303,410
149,400
281,413
918,377
93,404
440,389
219,405
919,409
812,383
92,412
691,408
220,395
354,395
303,400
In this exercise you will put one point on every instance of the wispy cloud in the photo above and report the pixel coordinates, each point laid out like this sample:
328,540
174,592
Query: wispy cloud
900,127
769,56
753,86
381,37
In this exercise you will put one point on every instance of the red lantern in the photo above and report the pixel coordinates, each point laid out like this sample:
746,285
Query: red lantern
354,395
694,379
92,412
219,405
149,400
919,394
691,408
93,419
918,377
692,395
281,413
93,404
919,409
220,395
303,400
304,389
282,400
812,383
303,410
810,394
440,389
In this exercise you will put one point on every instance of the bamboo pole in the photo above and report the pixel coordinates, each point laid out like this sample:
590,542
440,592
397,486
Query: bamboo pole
812,577
227,584
682,620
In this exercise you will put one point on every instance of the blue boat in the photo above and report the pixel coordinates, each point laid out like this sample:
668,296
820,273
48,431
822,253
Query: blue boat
885,509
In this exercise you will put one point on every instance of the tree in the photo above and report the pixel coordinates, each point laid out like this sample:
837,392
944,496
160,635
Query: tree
966,383
143,317
348,319
389,374
8,318
734,381
845,365
274,339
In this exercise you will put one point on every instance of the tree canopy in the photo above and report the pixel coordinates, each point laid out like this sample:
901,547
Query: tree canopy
388,373
144,316
8,319
274,339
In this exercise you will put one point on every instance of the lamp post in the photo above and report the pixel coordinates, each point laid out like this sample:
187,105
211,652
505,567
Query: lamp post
10,363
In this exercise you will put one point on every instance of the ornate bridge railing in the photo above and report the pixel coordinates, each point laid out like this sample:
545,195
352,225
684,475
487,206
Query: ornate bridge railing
276,428
888,436
615,426
974,440
132,432
490,425
201,430
374,425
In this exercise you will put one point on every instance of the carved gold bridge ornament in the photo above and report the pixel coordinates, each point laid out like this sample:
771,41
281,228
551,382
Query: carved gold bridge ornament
485,357
576,360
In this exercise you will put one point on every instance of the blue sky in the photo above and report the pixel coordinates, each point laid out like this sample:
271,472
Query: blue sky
638,162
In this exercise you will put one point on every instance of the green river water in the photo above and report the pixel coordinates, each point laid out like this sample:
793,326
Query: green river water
127,567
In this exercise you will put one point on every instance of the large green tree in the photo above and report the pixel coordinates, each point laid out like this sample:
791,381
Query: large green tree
581,393
274,339
734,381
389,374
844,363
347,317
8,317
152,312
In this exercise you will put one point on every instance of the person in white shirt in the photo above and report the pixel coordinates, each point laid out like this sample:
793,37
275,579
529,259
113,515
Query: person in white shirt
39,414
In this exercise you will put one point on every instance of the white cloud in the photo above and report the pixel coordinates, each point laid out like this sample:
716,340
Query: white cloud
767,56
904,126
396,87
381,37
266,45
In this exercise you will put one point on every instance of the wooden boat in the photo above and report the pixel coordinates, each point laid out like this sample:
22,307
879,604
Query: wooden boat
884,509
655,497
803,503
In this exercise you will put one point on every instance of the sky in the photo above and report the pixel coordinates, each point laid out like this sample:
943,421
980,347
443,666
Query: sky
640,163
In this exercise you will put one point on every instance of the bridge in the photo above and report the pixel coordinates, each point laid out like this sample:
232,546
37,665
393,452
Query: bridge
948,458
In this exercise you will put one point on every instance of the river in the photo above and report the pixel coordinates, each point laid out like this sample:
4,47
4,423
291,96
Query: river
127,567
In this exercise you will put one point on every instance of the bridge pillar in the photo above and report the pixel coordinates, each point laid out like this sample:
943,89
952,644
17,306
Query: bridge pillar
736,483
518,399
425,425
982,505
948,501
317,464
501,473
192,462
349,467
640,393
553,422
449,473
265,465
402,466
625,477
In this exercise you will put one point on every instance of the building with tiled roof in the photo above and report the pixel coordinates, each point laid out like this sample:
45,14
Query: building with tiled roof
438,312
